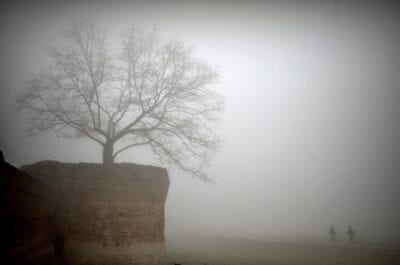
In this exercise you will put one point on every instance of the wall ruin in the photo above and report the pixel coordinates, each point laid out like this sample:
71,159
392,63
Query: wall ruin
27,228
107,215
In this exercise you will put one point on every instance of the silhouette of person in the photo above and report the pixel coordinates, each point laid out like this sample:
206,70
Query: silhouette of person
332,233
351,233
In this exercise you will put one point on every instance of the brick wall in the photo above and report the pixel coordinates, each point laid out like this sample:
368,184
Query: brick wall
27,229
107,215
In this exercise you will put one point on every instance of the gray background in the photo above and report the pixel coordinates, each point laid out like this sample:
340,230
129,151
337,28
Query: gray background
310,129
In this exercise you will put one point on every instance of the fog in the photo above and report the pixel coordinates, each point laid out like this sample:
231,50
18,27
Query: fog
310,127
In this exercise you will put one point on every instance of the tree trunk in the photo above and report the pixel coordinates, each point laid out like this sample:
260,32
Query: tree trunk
108,151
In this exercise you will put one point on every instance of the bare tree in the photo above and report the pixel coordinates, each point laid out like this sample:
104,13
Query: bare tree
142,92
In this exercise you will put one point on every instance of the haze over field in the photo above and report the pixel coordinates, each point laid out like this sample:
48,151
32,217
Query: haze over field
310,128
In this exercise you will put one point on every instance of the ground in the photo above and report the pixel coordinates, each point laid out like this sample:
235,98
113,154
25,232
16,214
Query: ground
246,251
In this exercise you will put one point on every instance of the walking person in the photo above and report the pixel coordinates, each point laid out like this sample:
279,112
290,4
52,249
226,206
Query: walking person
332,233
351,233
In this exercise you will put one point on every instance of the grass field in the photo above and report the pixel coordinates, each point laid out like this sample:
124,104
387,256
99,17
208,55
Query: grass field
246,251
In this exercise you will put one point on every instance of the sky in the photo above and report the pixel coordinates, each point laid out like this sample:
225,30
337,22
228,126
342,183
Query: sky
310,127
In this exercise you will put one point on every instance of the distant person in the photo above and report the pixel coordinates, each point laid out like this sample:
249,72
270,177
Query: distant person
332,233
351,233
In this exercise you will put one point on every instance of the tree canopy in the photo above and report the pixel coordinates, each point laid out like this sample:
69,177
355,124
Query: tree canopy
142,91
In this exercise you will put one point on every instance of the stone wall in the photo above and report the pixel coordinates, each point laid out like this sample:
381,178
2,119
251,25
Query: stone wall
107,215
27,229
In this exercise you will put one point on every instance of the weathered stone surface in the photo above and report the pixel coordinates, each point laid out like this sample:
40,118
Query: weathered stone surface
27,229
107,215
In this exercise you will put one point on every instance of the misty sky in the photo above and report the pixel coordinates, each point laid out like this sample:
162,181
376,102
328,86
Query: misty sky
310,128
